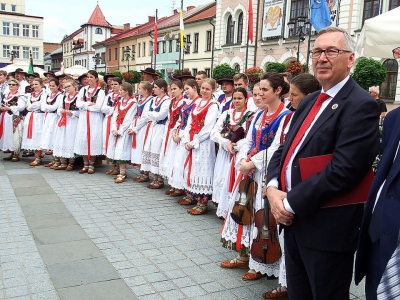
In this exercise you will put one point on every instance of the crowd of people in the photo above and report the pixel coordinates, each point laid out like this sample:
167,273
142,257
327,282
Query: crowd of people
217,149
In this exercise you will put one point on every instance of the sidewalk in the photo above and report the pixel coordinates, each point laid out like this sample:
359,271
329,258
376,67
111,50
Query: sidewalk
65,235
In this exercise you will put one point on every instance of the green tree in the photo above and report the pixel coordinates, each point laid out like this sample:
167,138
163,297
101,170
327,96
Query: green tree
275,67
369,72
223,70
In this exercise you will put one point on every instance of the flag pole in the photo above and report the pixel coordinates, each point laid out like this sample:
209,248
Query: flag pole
181,42
249,30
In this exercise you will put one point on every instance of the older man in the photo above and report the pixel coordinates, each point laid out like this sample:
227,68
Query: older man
374,92
341,120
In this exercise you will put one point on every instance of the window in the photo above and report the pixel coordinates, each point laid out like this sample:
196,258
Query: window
187,49
6,28
99,31
138,46
371,9
122,53
25,52
84,63
144,48
194,72
170,47
103,58
164,45
115,53
133,49
196,42
388,88
208,71
6,50
236,67
35,31
298,8
178,47
394,4
240,29
16,51
3,6
209,40
16,29
230,30
85,46
25,30
109,54
13,8
35,52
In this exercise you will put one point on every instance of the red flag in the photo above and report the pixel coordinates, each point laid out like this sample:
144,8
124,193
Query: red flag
250,25
155,43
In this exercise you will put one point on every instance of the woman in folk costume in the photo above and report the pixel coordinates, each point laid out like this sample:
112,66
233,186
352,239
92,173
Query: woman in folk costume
300,87
120,141
12,104
89,134
33,122
158,117
224,171
138,127
177,181
65,134
200,161
168,148
49,107
259,137
107,109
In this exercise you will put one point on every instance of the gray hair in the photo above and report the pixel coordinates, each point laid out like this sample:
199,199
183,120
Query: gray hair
374,89
349,42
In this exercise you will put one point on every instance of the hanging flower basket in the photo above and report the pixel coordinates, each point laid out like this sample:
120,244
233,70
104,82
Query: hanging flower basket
295,68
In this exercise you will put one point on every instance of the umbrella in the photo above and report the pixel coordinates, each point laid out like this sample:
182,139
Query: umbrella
380,35
24,66
76,70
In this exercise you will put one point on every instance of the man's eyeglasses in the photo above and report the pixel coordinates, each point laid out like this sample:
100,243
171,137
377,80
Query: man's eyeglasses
12,84
329,53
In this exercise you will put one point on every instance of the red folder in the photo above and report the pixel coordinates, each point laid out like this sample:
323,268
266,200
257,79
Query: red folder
359,194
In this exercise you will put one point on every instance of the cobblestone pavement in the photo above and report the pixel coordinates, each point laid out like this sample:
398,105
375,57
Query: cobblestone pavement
65,235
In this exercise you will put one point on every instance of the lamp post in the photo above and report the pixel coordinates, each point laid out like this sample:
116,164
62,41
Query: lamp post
186,45
95,60
128,54
302,28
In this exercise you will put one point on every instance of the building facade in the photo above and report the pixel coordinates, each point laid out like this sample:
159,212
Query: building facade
20,34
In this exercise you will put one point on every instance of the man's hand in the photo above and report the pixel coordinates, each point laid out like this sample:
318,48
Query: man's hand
275,198
247,168
188,147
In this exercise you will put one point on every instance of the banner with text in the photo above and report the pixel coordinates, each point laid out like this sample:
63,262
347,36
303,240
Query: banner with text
272,18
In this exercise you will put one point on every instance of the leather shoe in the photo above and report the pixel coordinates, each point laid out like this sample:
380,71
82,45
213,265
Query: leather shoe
235,263
177,193
249,276
143,179
275,294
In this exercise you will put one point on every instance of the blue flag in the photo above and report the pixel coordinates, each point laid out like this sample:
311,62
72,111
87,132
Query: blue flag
320,16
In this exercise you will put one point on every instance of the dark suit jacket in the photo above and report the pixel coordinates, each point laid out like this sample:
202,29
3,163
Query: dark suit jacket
391,201
350,132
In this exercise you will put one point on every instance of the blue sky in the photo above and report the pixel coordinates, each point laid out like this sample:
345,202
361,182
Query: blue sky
66,17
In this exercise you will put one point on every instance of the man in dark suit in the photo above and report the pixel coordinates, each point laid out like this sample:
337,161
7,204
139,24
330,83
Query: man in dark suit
343,121
381,223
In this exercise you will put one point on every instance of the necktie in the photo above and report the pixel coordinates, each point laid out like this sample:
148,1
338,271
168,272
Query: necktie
389,287
302,130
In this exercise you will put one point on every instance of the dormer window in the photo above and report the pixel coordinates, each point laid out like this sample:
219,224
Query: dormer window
99,31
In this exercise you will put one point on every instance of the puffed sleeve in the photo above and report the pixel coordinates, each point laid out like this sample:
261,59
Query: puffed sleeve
216,131
209,122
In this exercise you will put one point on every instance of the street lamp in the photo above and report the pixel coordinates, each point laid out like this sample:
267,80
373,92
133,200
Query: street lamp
12,54
302,28
95,60
128,54
186,47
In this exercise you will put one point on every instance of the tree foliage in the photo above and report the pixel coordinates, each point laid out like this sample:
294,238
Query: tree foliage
223,70
369,72
275,67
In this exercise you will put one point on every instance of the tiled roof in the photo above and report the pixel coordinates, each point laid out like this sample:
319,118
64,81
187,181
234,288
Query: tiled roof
50,47
71,36
97,18
207,13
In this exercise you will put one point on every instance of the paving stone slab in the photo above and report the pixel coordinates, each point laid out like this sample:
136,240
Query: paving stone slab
106,290
44,209
59,234
68,251
82,272
34,199
51,221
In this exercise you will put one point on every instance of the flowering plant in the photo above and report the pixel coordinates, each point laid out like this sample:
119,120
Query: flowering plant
254,74
294,68
131,76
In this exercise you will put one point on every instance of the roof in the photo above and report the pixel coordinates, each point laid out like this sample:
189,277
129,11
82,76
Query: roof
97,18
71,36
50,47
57,51
208,13
19,14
